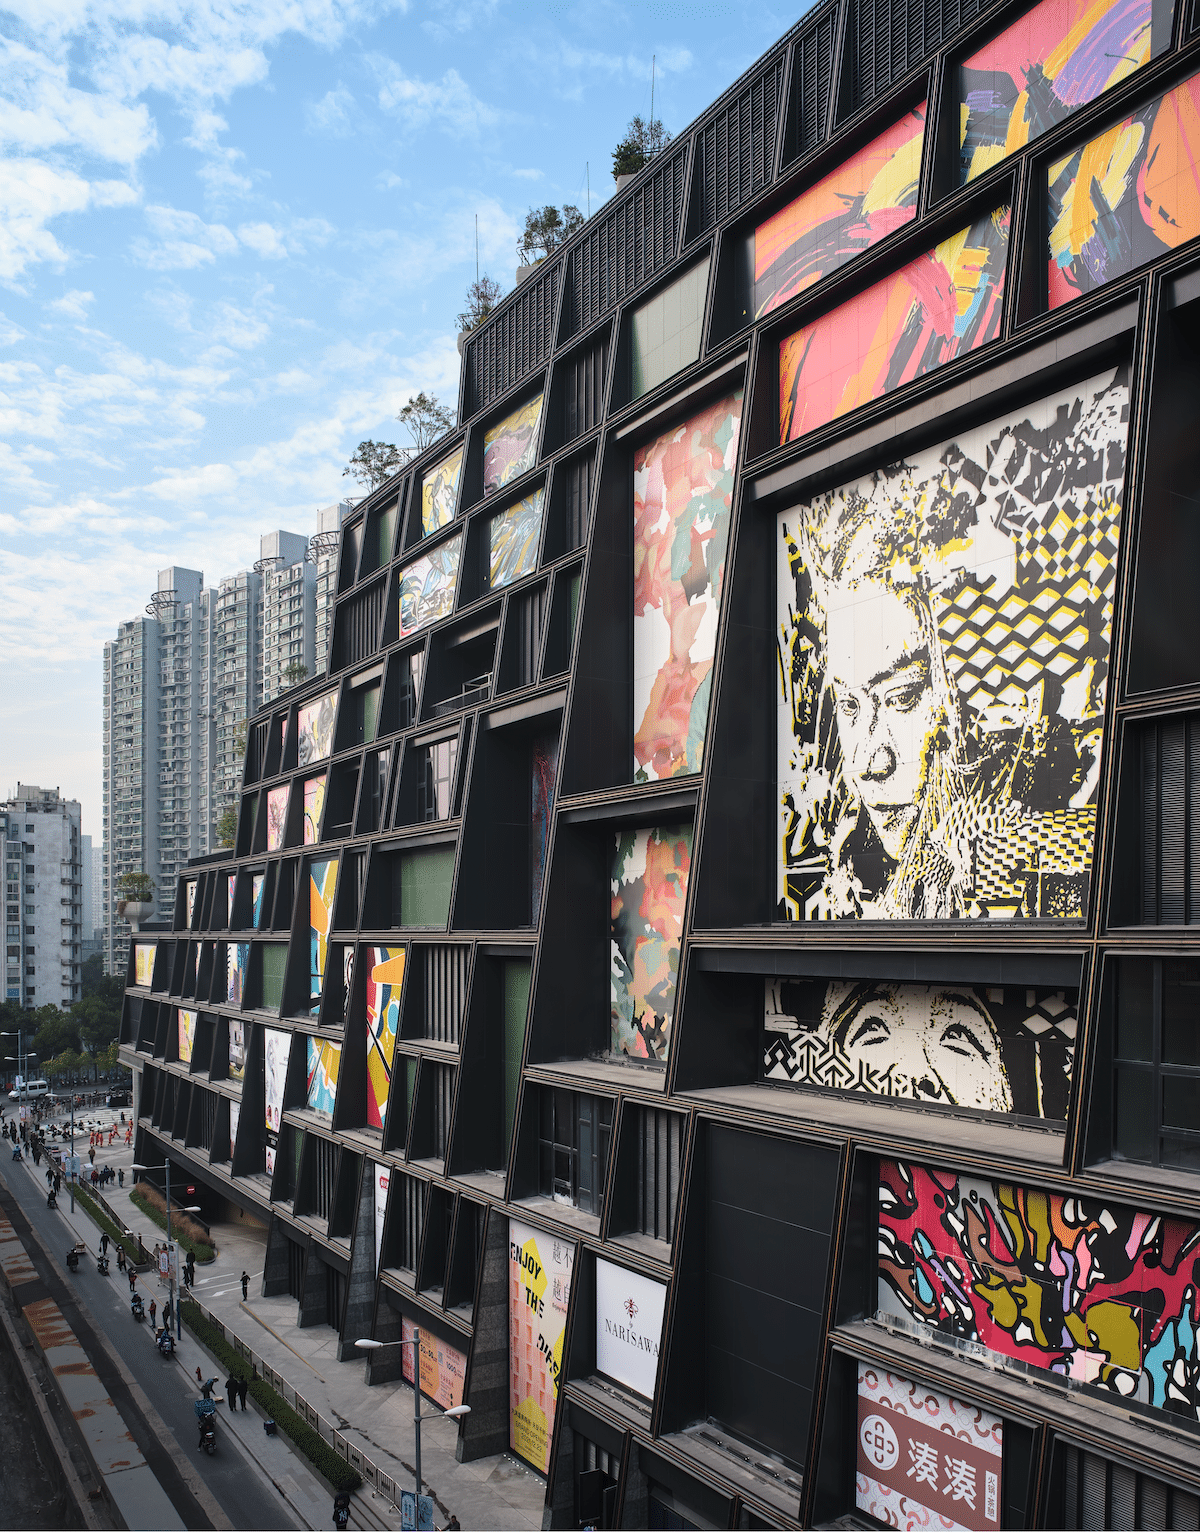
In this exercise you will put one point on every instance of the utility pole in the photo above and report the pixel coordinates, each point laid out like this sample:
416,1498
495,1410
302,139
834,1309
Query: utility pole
653,71
588,172
476,249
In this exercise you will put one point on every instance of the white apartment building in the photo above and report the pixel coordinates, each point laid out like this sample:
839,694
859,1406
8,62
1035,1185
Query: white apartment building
43,885
231,687
130,800
323,550
181,622
288,613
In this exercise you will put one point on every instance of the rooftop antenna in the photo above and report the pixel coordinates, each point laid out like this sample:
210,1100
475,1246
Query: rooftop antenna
588,172
476,247
653,66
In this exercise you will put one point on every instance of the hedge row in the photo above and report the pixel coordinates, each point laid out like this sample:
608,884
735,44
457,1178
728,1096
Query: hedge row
201,1252
98,1216
311,1443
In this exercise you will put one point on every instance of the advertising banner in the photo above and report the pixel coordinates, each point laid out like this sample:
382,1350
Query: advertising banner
382,1177
443,1368
187,1035
277,1050
539,1291
629,1321
235,1113
237,1050
925,1458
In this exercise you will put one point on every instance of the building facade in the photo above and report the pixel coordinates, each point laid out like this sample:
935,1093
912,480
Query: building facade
716,950
323,550
44,896
234,683
289,618
129,803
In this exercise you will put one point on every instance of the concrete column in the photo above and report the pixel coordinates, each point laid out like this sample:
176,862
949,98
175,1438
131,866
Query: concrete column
485,1429
275,1267
312,1297
388,1365
360,1282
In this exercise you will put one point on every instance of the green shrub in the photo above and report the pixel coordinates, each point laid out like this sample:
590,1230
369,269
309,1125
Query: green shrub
202,1249
311,1443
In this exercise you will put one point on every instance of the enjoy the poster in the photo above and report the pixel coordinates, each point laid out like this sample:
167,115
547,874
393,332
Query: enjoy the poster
539,1290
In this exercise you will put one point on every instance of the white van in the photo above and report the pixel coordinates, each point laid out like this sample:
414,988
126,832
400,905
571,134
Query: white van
32,1090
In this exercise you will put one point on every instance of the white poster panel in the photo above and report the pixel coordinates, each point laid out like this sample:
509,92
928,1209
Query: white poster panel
629,1321
382,1177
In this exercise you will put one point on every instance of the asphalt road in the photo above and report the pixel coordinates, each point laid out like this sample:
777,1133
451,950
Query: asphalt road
94,1303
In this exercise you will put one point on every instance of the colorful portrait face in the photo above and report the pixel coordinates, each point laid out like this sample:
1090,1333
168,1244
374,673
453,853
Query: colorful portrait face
314,724
650,876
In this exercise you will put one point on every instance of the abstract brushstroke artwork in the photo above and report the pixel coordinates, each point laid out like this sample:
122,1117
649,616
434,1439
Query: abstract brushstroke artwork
324,1060
1053,60
544,771
1126,197
649,887
513,538
999,1048
322,885
314,803
944,628
277,805
277,1051
239,957
235,1116
510,447
385,977
257,884
190,889
439,491
1098,1292
187,1035
427,586
682,494
143,963
314,724
231,896
945,304
237,1050
868,196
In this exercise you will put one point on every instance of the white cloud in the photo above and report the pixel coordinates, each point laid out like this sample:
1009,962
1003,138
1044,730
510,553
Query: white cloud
73,304
448,103
232,326
184,240
530,175
331,114
31,194
264,240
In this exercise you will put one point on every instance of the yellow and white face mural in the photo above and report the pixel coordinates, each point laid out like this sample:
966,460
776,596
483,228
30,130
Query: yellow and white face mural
943,630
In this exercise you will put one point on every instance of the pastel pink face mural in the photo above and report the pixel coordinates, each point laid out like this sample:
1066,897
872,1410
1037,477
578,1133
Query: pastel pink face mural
649,888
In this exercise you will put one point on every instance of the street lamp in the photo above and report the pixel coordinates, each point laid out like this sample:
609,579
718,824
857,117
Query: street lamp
149,1170
456,1413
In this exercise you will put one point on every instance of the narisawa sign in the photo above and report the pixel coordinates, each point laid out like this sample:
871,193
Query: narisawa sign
629,1321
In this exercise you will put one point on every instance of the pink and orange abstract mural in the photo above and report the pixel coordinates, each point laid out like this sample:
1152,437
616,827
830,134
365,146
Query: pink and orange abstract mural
650,874
277,807
1075,1285
385,978
682,497
945,304
1125,197
865,199
314,803
322,885
1056,58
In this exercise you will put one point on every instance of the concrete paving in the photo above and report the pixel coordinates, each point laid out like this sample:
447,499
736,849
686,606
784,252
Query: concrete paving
497,1492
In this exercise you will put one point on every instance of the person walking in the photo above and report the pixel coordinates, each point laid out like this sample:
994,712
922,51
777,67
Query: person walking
120,1258
231,1388
121,1177
104,1244
92,1155
167,1315
153,1311
132,1281
245,1285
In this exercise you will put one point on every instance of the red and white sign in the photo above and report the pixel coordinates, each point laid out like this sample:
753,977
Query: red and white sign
923,1454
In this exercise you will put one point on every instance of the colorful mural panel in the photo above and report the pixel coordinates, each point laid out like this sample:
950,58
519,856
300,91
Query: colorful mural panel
277,806
314,725
190,889
544,763
143,963
539,1292
865,199
439,492
384,980
513,539
925,1459
237,1050
1053,60
1125,197
277,1051
1075,1285
443,1367
649,888
944,631
322,885
324,1061
314,803
945,304
238,959
187,1035
682,495
427,587
235,1116
231,899
510,447
995,1048
257,884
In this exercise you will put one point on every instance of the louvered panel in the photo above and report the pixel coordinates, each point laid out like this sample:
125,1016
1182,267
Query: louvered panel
812,75
1193,828
894,36
1173,792
1150,826
445,992
529,616
515,343
735,151
578,498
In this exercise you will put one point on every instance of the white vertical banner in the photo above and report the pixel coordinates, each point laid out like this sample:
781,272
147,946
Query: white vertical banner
382,1177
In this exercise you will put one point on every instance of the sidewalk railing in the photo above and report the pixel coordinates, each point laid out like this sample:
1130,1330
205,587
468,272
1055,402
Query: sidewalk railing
372,1474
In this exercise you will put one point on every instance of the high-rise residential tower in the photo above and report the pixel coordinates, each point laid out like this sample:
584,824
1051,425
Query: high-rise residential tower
130,800
288,617
324,552
43,886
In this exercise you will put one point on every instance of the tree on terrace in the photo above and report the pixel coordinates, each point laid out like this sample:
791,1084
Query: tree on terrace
642,141
425,418
373,462
545,230
482,297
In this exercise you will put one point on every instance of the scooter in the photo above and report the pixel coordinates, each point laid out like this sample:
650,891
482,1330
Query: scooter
166,1342
136,1307
206,1415
72,1259
102,1263
341,1510
51,1201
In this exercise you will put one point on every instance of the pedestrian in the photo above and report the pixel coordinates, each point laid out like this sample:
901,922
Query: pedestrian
206,1387
153,1311
57,1181
199,1376
245,1285
49,1177
132,1281
104,1244
242,1386
92,1155
454,1525
120,1258
167,1315
121,1177
231,1388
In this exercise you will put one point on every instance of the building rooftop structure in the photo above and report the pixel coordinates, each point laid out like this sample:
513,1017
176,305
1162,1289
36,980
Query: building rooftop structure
716,950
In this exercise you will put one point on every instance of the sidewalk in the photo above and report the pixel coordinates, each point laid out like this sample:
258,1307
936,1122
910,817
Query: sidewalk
496,1492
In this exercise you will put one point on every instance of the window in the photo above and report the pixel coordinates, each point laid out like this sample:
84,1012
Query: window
660,1136
274,962
573,1148
410,1205
435,782
664,332
1099,1493
1156,1081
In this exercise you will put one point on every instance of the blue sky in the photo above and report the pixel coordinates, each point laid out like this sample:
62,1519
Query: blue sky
233,240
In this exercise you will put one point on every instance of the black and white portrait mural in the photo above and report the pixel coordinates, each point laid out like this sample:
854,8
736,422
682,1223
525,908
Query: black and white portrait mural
944,633
1006,1049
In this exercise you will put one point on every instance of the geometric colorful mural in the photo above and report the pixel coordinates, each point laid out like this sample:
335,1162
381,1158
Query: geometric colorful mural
1056,58
277,1051
314,802
277,803
513,538
510,447
865,199
946,303
324,1059
385,976
995,1048
187,1035
1090,1289
682,495
1127,196
439,490
143,963
650,873
427,586
943,631
314,724
257,882
232,882
322,885
239,957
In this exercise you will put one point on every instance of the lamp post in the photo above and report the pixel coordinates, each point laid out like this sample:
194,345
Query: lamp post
147,1170
456,1413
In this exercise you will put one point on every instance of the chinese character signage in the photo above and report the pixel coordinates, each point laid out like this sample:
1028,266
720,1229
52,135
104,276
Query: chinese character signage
923,1455
443,1368
629,1321
539,1290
